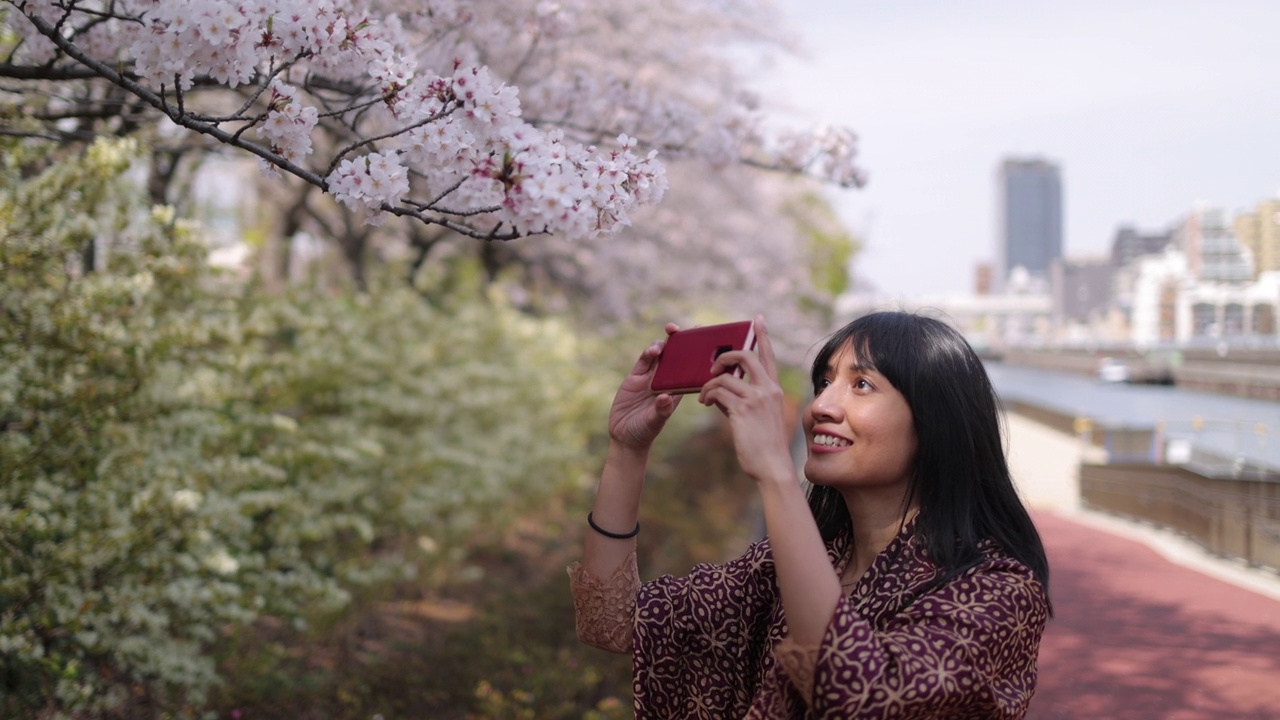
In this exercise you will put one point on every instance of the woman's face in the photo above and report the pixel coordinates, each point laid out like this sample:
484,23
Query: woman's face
859,428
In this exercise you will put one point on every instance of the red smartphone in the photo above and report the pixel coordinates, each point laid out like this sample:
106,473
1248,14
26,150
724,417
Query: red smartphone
685,363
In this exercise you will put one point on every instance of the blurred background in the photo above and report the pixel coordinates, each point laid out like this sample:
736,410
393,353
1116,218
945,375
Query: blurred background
260,460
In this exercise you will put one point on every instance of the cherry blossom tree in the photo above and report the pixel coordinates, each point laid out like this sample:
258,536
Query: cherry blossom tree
417,121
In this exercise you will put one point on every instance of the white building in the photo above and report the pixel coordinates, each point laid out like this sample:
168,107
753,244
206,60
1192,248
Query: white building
1148,289
1167,306
987,321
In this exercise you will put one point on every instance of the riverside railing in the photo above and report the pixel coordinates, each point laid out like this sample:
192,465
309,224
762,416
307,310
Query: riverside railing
1226,504
1236,517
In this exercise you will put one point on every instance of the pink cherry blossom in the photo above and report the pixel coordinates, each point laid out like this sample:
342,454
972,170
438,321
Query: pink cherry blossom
401,90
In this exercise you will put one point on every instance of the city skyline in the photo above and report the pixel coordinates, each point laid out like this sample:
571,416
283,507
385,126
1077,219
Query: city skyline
1149,112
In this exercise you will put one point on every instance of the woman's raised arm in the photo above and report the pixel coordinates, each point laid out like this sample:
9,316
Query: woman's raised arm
635,419
605,582
754,405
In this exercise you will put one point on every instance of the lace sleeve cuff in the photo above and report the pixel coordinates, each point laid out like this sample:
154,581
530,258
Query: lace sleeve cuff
799,663
603,609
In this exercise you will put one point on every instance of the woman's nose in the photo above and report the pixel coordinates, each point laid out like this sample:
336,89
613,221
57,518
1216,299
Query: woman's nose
824,408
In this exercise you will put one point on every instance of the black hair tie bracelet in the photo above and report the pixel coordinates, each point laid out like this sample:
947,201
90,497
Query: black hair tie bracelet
614,535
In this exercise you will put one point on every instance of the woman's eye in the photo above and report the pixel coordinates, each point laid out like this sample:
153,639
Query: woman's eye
862,384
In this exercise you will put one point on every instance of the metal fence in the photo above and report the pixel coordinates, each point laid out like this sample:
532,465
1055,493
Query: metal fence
1229,516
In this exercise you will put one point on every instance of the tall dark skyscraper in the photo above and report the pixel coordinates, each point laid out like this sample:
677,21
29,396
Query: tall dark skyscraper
1030,193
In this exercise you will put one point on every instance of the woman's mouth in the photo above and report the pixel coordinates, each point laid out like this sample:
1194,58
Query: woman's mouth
830,441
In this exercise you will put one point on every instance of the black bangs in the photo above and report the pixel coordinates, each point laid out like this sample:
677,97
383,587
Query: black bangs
882,341
837,340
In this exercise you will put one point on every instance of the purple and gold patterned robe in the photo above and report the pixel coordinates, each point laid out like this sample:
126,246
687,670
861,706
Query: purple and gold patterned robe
714,643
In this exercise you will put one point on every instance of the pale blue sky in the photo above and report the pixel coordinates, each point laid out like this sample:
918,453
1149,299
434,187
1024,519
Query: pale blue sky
1148,107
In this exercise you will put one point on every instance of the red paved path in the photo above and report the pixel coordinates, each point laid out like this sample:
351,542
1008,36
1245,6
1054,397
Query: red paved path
1137,637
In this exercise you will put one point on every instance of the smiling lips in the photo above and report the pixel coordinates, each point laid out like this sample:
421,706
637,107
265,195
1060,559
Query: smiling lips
830,441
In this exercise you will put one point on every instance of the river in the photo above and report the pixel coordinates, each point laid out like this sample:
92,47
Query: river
1230,427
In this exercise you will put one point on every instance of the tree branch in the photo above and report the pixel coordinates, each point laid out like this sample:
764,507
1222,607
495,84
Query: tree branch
44,72
369,141
158,102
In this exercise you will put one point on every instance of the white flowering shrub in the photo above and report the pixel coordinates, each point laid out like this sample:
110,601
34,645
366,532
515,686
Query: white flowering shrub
180,455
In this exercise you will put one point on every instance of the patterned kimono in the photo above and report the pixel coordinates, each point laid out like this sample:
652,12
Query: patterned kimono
714,644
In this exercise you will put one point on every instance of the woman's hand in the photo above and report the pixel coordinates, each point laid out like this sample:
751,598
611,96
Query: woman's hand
637,415
755,407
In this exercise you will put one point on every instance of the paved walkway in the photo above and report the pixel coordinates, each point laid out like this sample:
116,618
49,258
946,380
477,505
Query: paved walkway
1148,626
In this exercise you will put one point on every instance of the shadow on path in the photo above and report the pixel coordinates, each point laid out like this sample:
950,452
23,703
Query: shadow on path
1137,637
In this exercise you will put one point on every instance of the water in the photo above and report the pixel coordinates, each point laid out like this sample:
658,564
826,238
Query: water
1237,428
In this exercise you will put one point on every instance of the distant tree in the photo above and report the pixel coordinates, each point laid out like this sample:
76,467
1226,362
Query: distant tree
771,247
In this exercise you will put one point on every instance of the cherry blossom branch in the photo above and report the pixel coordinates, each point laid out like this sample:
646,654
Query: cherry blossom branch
337,158
45,72
461,134
158,102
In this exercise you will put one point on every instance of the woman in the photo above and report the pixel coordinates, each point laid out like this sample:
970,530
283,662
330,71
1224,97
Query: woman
910,582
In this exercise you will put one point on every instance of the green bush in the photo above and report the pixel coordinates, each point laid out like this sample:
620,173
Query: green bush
181,454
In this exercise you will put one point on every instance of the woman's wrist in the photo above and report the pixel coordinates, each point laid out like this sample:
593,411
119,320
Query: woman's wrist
624,450
622,478
780,479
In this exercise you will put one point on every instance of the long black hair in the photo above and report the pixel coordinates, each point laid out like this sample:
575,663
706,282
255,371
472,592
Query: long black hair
960,478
